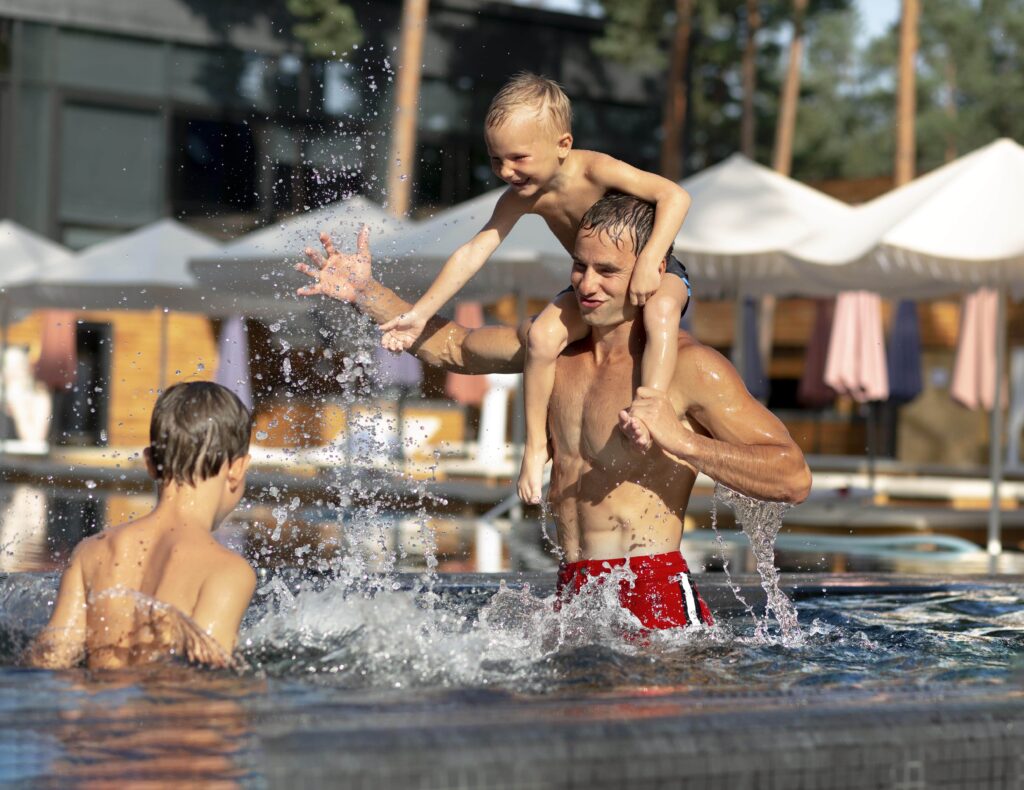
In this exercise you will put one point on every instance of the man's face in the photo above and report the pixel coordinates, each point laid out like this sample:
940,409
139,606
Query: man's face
600,277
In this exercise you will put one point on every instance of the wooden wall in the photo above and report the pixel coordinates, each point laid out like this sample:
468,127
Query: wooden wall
932,429
135,375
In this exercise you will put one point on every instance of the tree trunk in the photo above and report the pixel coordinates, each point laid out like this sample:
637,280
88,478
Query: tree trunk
906,93
950,107
782,160
748,121
407,92
674,114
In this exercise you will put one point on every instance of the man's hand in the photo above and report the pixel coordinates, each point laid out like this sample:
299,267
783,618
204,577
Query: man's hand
402,331
342,276
642,285
653,409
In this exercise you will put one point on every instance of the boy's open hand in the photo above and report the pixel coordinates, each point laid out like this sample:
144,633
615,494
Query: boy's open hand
402,330
642,285
341,275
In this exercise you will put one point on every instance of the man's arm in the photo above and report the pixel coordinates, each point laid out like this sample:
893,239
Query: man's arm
348,277
741,445
61,644
671,203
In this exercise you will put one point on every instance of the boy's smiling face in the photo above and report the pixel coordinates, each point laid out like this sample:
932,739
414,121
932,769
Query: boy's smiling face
527,151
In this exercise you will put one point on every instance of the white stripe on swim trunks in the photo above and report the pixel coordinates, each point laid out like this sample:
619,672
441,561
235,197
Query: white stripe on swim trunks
691,604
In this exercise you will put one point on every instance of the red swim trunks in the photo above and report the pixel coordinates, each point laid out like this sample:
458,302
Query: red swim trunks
661,596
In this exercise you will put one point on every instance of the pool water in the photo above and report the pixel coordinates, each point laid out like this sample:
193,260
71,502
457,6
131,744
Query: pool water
377,657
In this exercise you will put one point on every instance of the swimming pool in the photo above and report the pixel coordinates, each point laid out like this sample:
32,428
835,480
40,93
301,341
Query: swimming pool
474,682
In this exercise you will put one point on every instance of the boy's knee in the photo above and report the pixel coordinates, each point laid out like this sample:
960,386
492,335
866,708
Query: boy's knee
661,313
546,339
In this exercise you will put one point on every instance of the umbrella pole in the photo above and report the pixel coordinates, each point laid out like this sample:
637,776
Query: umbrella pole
3,372
872,405
995,545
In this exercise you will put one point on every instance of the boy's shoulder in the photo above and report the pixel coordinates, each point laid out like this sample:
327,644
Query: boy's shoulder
219,560
591,162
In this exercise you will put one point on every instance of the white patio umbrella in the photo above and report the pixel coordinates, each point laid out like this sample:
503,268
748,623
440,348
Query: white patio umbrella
530,262
957,228
743,218
142,270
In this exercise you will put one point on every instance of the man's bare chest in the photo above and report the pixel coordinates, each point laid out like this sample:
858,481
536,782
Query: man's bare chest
585,406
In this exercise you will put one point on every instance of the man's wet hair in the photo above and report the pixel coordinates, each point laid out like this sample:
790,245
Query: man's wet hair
531,91
617,214
195,429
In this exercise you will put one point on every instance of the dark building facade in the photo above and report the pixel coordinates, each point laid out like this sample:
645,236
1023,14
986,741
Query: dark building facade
116,113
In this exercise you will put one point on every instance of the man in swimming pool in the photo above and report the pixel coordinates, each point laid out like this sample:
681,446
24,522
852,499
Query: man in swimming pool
615,503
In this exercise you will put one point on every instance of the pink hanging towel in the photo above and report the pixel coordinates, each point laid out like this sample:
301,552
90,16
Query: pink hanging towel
856,352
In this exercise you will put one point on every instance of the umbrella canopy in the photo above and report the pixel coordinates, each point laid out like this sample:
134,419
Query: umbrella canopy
140,270
259,265
24,257
744,216
856,352
956,228
530,261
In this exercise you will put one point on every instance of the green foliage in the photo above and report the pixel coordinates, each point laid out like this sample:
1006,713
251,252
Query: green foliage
328,27
972,50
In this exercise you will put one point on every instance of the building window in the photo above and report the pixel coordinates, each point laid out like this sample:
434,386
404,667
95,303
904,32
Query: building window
111,166
214,166
111,63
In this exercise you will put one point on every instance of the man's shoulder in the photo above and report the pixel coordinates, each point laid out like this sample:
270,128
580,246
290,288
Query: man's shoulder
695,359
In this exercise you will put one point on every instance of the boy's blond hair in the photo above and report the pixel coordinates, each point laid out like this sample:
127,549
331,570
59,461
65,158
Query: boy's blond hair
526,90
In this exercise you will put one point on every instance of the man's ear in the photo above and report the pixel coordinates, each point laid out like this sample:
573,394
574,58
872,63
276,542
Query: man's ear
564,145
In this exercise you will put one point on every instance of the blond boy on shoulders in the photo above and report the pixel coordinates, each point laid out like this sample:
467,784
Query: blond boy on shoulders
528,130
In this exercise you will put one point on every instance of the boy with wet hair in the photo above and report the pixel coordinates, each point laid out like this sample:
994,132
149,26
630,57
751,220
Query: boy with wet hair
122,596
528,130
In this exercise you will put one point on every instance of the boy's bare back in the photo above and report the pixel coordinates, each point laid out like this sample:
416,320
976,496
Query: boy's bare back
139,578
161,586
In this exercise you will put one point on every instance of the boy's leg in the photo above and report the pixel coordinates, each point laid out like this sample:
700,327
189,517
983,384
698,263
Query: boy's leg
661,323
558,325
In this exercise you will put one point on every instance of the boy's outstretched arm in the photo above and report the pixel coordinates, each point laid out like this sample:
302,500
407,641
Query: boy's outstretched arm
403,330
671,202
61,644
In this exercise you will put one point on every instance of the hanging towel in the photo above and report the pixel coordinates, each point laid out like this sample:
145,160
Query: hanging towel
974,370
813,392
856,353
905,354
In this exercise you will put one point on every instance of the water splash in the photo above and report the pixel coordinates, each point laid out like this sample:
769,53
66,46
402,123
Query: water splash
761,522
